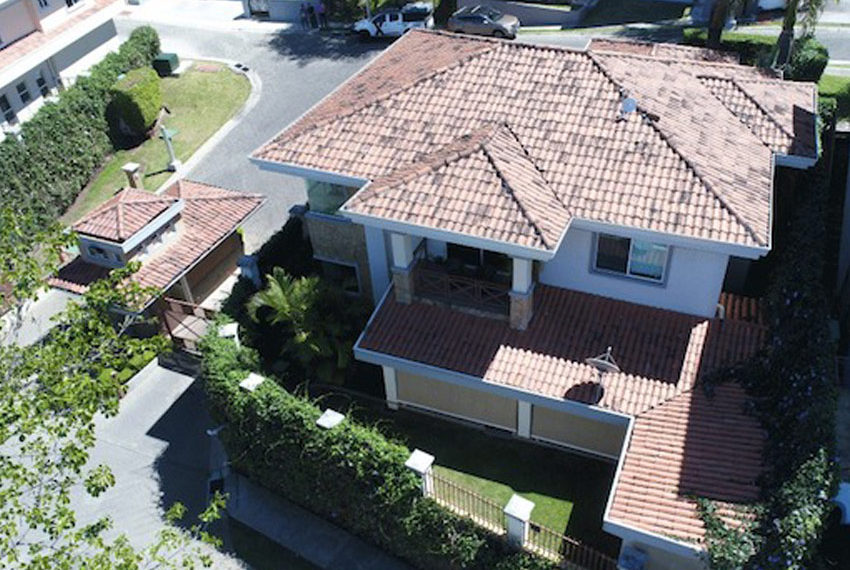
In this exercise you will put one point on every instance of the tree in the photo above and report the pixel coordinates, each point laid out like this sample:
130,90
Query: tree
317,321
50,393
812,11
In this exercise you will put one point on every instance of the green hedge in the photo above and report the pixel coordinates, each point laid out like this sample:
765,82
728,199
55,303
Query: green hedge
43,173
792,389
136,100
352,474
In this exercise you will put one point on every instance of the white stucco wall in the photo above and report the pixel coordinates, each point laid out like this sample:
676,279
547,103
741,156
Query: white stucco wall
692,285
377,247
85,45
15,22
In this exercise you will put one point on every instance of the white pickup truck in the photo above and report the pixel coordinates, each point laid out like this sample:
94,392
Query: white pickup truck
393,23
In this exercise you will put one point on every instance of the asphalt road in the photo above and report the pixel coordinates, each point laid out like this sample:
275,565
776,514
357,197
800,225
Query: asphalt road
295,69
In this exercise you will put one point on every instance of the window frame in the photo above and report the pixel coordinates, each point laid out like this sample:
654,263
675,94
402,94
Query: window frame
21,93
662,281
9,115
41,84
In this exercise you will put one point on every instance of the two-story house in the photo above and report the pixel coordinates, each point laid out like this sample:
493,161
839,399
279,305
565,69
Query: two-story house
45,45
546,233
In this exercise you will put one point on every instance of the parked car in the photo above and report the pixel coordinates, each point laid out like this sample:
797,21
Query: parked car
395,22
483,21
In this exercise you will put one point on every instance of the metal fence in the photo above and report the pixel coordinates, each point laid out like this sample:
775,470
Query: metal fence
569,552
464,502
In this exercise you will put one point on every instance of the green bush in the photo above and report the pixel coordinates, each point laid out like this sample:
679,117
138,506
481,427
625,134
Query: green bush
136,101
753,49
808,60
42,173
351,474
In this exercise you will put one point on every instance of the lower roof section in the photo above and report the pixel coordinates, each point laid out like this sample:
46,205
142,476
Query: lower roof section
661,353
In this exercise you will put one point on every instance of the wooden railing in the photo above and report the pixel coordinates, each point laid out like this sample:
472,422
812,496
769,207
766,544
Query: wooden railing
566,551
469,504
186,323
432,281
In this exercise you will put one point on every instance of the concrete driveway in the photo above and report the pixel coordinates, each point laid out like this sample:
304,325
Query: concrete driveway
295,70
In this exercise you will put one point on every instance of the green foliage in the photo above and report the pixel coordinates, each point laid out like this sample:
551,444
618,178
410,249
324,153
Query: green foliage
136,100
808,60
728,548
753,49
351,474
43,172
313,323
835,92
791,384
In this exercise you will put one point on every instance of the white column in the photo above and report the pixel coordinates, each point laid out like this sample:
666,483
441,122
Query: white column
523,418
402,246
422,464
518,513
521,275
379,270
391,387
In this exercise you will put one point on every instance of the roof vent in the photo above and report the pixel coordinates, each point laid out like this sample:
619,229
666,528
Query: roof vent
604,362
627,106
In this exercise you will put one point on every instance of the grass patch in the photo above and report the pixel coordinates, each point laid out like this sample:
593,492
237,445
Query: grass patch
569,490
608,12
837,87
200,103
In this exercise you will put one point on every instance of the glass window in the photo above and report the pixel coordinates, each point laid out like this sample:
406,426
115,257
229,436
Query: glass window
635,258
42,84
23,92
8,113
379,20
70,3
327,198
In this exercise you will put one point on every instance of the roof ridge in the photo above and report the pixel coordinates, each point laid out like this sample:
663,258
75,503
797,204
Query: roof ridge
759,105
654,125
391,93
762,73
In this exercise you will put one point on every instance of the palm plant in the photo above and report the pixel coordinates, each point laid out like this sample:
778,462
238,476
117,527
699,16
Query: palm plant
811,13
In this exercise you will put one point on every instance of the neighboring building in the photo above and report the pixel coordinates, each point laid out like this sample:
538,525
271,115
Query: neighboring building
185,239
516,210
44,46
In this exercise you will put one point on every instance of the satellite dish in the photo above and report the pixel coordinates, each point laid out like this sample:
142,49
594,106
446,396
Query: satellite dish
604,362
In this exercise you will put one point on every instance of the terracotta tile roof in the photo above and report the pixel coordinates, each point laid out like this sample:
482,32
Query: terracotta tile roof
691,445
660,353
210,215
36,39
483,184
662,50
123,215
683,165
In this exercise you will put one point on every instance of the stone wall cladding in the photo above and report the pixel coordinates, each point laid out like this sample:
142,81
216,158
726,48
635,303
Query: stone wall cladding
337,239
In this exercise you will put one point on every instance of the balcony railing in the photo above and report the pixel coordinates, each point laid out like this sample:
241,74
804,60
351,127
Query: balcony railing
433,281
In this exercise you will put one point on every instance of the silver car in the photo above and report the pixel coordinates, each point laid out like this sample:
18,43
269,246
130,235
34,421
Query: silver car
483,21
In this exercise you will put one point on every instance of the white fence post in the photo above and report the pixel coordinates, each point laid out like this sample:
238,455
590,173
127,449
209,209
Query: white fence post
518,512
422,464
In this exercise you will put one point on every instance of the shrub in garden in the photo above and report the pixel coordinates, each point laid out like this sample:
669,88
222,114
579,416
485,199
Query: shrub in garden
42,173
136,101
808,60
350,474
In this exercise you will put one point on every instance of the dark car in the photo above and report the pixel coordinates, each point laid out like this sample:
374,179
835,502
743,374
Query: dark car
483,21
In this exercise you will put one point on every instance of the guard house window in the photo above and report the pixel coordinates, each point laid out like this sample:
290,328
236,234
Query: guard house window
632,257
8,113
98,252
42,84
23,92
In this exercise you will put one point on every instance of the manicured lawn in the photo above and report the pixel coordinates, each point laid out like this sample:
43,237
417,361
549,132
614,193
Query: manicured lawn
608,12
569,490
200,101
837,87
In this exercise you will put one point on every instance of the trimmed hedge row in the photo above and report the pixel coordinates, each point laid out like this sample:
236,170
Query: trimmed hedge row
808,57
136,100
352,474
67,141
792,390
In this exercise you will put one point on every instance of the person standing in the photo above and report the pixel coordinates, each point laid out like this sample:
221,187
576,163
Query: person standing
323,15
305,20
311,15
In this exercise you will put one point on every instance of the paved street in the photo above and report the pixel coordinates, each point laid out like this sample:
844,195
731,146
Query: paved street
295,70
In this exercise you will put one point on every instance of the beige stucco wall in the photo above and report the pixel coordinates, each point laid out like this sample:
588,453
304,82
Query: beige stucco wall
338,239
575,431
456,400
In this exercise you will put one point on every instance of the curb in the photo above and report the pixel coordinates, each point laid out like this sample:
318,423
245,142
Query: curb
224,130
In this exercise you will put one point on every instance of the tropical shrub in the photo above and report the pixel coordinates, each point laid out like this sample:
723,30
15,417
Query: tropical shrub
42,173
351,474
136,101
808,59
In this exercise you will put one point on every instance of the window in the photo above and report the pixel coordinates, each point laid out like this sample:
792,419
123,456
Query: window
478,263
42,84
71,3
632,257
8,113
345,276
23,92
98,252
43,3
379,20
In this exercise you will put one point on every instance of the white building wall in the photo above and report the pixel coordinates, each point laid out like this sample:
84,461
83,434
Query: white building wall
692,284
377,247
85,45
15,22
